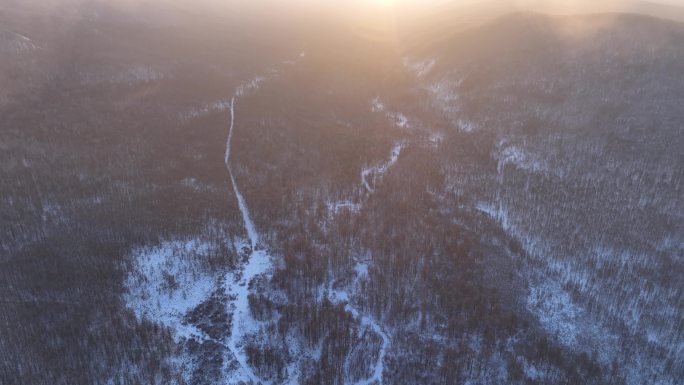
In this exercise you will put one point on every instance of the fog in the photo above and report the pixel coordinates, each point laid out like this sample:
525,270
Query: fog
305,6
341,192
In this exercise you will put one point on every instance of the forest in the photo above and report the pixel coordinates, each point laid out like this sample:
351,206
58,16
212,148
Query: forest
230,198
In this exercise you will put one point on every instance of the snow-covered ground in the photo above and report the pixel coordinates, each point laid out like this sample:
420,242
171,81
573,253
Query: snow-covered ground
206,109
133,75
345,297
555,311
167,281
335,207
249,86
420,68
372,175
397,118
14,42
523,159
369,176
444,91
258,263
549,297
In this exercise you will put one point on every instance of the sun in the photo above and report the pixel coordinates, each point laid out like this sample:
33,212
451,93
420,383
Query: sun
382,3
375,20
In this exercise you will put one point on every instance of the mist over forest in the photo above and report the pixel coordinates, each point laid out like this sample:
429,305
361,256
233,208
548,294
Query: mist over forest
315,192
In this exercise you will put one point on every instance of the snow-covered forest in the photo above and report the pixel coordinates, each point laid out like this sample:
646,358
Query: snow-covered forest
238,200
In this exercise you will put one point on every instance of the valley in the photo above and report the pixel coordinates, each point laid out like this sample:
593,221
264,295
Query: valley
249,195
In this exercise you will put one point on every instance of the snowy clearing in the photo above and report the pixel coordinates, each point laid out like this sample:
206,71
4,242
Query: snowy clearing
167,281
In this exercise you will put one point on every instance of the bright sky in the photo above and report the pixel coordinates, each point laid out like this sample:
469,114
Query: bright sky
521,3
553,6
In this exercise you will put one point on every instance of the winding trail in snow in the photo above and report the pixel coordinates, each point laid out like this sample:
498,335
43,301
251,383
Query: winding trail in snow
380,363
367,322
376,172
237,283
259,262
370,176
23,41
244,210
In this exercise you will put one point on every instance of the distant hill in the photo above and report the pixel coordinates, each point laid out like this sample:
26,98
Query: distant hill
572,127
420,24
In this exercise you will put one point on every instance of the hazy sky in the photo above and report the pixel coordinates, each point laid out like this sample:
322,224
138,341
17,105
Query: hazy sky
556,6
403,9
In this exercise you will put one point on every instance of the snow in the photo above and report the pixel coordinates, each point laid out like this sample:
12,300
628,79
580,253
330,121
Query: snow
488,209
379,368
133,75
521,159
397,118
552,305
226,158
15,42
249,224
377,105
242,204
243,323
258,263
218,105
292,369
370,176
237,283
336,207
167,281
531,371
435,139
22,37
420,68
375,173
249,86
244,210
401,120
466,125
344,296
445,92
361,269
556,311
549,300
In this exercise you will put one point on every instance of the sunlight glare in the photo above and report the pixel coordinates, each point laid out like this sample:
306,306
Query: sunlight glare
382,3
